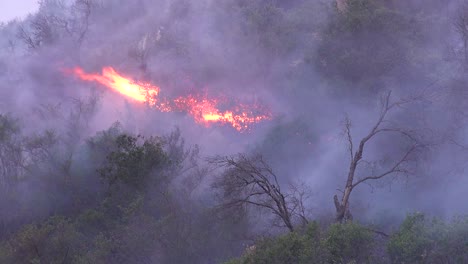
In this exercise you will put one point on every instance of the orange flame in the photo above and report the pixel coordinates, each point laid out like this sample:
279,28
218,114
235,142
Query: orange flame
203,110
141,92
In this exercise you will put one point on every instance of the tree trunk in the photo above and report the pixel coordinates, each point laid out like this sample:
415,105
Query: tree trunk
342,207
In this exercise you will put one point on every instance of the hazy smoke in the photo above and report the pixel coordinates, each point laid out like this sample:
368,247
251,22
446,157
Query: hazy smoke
290,55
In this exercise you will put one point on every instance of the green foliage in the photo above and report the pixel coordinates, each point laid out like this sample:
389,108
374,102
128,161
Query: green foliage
102,144
139,217
419,240
410,244
53,208
423,240
348,243
366,43
284,249
132,162
54,241
341,243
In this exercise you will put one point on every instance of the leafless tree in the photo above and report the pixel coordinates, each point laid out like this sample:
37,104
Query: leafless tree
251,181
25,36
76,124
49,23
461,27
41,30
399,166
82,10
11,153
300,193
18,152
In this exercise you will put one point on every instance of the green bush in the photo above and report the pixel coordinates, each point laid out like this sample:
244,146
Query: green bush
133,161
423,240
290,248
285,249
54,241
347,243
345,53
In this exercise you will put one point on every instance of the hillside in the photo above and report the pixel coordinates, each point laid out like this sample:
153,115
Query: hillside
259,131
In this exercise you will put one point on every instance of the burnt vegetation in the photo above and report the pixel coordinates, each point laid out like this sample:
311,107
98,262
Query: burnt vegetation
364,161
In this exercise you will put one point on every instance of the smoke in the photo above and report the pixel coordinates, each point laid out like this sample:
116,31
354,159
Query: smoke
297,57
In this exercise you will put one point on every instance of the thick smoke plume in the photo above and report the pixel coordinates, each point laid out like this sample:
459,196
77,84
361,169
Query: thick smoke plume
322,73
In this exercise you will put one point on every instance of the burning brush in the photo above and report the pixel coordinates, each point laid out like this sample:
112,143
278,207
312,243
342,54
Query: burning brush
203,109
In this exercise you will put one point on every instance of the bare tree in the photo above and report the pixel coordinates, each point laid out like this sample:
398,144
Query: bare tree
461,27
26,37
11,153
49,24
82,10
76,124
19,152
251,181
300,194
399,166
41,30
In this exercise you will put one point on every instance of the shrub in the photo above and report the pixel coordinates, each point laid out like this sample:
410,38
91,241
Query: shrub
348,243
423,240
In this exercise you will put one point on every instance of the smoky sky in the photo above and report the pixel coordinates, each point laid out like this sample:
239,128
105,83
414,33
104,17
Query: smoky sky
283,61
11,9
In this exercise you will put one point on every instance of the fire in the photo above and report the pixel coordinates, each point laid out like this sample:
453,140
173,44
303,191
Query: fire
204,110
141,92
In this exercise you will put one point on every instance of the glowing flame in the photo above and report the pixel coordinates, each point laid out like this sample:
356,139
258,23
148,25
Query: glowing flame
141,92
202,109
206,111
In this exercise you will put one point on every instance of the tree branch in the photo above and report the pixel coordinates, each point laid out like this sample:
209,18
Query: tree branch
394,169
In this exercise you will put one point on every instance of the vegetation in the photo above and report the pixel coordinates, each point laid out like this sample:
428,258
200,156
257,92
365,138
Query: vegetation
76,189
418,240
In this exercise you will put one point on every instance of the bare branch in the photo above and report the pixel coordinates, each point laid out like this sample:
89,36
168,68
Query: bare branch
394,169
461,27
83,9
380,126
409,134
26,37
350,139
249,180
299,195
378,232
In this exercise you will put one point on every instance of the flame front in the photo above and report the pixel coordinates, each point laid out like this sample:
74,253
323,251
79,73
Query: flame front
141,92
202,109
206,111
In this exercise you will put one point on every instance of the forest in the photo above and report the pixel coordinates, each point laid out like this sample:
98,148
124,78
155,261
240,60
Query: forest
235,131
